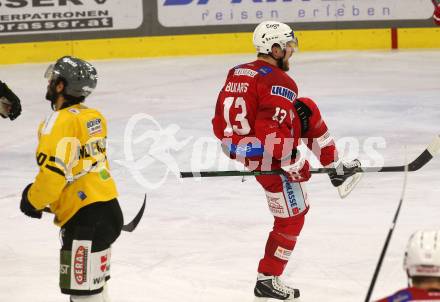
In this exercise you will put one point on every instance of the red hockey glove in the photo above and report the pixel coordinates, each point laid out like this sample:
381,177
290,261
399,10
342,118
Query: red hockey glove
436,15
298,172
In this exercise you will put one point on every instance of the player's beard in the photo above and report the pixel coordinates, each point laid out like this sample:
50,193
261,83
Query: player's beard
51,94
283,64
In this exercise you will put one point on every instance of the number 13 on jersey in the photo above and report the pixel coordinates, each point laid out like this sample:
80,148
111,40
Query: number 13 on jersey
240,124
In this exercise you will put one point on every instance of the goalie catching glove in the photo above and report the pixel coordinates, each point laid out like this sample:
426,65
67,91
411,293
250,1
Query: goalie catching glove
343,170
9,103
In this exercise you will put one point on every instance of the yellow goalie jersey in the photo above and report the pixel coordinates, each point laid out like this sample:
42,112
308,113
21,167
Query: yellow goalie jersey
74,170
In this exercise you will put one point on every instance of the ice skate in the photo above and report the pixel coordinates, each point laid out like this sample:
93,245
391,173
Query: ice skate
271,288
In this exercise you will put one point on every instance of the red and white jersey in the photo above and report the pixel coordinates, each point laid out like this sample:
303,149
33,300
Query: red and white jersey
436,15
413,294
256,113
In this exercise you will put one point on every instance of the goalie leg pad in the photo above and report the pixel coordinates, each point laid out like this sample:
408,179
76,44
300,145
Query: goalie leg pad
83,272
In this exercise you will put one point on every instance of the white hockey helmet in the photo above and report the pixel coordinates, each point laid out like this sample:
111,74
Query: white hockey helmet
268,33
422,256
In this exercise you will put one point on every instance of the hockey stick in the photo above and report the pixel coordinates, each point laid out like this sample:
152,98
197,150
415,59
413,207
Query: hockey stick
387,241
131,226
432,149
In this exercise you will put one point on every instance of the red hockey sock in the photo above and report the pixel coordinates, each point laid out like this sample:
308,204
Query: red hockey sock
280,245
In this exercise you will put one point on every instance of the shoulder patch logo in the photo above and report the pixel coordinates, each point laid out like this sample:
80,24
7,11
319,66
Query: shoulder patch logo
284,92
265,70
94,126
74,111
245,72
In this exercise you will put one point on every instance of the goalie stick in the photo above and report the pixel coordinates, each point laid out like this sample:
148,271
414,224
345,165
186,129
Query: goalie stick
388,239
131,226
432,149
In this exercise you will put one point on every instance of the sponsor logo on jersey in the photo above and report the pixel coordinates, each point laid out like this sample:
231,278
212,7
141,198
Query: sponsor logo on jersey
64,269
401,297
237,87
104,263
282,253
284,92
245,72
98,280
274,205
291,197
265,70
74,111
80,265
94,126
104,174
82,195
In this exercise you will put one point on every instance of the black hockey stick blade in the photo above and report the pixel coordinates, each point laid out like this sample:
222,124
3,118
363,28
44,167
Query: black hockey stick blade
131,226
432,149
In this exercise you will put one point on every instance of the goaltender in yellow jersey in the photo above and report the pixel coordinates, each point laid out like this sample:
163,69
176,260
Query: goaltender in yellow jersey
74,170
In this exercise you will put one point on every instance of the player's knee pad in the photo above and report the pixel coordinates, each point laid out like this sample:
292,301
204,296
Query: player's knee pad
83,272
290,201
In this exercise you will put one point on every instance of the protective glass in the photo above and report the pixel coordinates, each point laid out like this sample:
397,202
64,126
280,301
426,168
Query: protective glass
293,44
49,74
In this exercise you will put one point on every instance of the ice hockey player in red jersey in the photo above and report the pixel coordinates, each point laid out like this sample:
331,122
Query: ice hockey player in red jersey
260,122
422,265
436,14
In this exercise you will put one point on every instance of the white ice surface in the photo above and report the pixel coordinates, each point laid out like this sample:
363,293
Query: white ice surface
202,240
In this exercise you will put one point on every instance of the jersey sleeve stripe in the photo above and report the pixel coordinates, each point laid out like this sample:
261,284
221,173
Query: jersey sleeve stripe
56,170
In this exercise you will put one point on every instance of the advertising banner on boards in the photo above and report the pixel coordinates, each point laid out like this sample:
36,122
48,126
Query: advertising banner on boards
54,16
175,13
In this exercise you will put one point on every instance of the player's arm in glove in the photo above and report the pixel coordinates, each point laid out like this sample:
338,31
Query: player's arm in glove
343,170
26,207
12,107
297,172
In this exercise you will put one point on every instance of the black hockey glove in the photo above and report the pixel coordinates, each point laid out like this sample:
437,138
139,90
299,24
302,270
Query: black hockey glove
343,171
7,93
26,207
